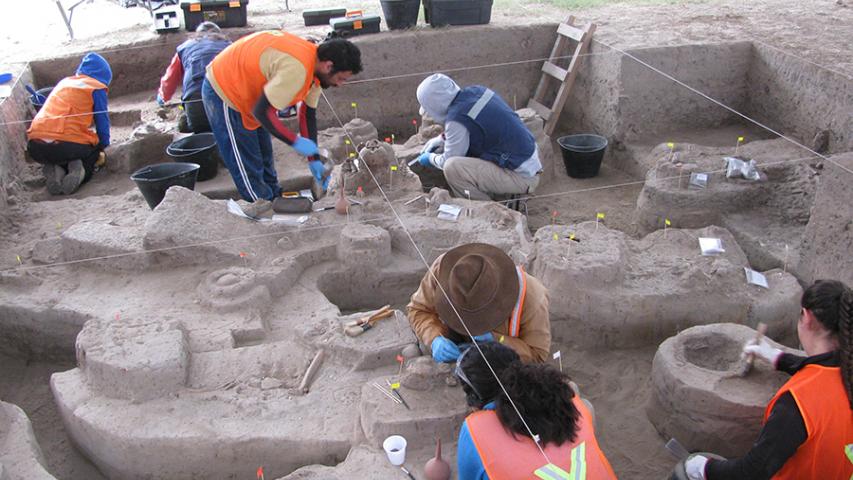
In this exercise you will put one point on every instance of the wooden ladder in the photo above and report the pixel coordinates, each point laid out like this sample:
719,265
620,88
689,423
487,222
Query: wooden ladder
566,32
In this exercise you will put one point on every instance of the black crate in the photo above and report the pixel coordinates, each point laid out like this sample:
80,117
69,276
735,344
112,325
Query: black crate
352,26
225,13
457,12
321,16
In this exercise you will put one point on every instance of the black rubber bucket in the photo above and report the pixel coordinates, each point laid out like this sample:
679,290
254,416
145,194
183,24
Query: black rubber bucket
198,148
400,14
41,91
154,180
582,154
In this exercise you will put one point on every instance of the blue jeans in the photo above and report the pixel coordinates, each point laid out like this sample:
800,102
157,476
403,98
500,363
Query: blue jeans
246,153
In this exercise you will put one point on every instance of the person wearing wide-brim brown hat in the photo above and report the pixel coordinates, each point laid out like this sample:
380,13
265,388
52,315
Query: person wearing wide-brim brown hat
476,290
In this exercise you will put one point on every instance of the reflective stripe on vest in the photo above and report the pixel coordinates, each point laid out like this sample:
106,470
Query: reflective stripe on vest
237,71
508,457
515,319
552,472
67,114
822,401
480,104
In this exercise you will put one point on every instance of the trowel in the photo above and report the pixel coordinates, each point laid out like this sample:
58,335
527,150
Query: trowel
293,202
316,187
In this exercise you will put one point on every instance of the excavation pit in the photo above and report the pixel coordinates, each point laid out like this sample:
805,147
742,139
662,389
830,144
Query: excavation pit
216,337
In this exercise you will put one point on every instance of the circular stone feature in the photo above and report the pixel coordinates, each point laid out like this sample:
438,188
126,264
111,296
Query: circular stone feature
698,395
364,245
232,288
714,351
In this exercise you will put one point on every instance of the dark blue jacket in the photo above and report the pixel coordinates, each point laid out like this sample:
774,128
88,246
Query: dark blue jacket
97,67
195,54
496,133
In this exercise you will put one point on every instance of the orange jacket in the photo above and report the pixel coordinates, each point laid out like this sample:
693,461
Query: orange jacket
67,114
822,400
514,458
237,70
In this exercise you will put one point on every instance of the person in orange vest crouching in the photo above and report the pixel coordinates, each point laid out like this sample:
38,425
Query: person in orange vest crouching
476,290
61,136
249,82
495,443
808,424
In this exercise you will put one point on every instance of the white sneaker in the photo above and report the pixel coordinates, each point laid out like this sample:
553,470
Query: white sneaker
257,208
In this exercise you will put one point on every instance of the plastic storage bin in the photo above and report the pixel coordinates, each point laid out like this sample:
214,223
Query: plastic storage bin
225,13
356,24
321,16
457,12
400,14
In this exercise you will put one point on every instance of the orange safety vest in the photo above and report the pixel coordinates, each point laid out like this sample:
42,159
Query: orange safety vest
237,69
514,327
67,114
822,400
514,458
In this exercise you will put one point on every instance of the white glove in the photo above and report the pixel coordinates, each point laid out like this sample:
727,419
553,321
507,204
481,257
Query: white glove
762,350
433,144
695,467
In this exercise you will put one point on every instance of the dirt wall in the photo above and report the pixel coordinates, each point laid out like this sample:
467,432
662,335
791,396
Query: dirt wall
651,103
800,99
138,67
828,239
13,109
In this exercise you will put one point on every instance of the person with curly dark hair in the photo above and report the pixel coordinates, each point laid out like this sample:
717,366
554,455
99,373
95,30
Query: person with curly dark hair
808,424
495,443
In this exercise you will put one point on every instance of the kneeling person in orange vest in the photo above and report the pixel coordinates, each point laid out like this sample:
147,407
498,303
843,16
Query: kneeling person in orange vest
61,137
495,443
479,287
245,87
808,424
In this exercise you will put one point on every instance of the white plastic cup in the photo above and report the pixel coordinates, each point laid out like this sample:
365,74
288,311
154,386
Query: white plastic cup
395,448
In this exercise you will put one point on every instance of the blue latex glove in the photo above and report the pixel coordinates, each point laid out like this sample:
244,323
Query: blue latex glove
424,160
443,350
306,147
433,144
318,170
486,337
160,100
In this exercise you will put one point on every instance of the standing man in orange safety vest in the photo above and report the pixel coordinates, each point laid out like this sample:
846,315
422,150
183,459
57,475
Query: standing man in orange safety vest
496,300
245,87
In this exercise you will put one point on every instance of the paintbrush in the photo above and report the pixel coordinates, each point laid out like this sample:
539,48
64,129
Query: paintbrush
761,329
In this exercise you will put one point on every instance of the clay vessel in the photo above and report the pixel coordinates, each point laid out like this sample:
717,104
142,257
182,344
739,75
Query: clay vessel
341,204
436,468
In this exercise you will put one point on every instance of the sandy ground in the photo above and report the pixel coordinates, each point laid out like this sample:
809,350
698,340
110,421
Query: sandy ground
616,382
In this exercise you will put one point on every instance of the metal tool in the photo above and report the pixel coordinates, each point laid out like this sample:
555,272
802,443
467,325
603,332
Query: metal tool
317,189
408,473
397,393
677,449
355,328
386,393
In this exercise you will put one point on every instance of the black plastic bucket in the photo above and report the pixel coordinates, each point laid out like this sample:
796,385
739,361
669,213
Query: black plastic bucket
41,91
154,180
198,148
400,14
582,154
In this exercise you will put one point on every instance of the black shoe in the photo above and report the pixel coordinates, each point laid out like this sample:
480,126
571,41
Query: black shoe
54,175
74,178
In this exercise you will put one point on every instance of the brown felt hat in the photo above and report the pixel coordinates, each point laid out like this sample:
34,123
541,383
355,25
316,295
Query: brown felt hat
482,283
